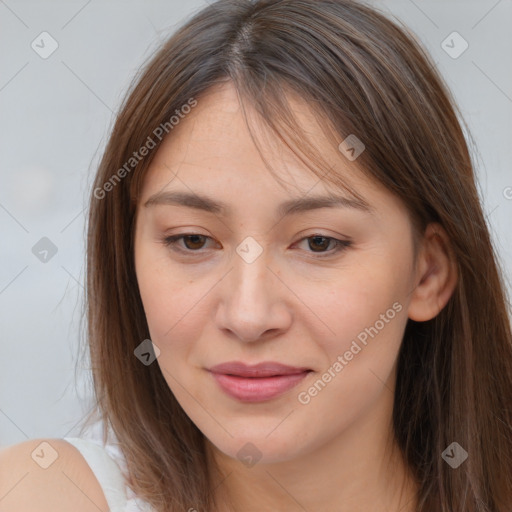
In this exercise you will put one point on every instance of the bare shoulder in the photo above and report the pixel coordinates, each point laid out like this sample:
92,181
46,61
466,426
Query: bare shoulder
47,475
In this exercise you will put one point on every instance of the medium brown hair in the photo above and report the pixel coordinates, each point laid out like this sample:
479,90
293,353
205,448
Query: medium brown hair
361,74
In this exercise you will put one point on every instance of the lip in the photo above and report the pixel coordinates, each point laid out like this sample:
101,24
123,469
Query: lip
259,382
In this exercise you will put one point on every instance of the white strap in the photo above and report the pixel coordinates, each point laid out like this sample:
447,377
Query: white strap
105,469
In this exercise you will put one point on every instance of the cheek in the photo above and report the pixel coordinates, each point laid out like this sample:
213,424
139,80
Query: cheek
176,305
366,309
162,291
170,307
368,319
357,303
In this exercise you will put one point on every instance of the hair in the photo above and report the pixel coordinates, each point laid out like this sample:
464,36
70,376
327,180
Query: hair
364,74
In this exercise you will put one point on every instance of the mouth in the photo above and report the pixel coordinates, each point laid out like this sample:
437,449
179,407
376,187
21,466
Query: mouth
257,383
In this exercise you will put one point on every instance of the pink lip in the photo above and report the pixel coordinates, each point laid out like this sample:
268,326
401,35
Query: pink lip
258,382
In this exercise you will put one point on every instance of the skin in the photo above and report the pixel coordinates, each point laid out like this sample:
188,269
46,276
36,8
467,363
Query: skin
335,453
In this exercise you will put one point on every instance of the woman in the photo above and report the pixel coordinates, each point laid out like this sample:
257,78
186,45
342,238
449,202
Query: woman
338,340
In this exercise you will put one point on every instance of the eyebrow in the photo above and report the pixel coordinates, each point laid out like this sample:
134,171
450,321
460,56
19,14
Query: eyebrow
290,207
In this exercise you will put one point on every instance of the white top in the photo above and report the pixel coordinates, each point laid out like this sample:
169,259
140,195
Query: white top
109,467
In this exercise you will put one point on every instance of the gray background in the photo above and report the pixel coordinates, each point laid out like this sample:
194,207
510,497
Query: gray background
55,115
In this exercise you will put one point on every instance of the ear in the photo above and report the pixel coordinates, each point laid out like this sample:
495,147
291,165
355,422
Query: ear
436,275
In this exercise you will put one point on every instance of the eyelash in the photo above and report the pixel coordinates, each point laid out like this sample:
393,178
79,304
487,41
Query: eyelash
341,245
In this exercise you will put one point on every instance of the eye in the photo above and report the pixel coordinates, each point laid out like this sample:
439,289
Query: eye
321,242
194,242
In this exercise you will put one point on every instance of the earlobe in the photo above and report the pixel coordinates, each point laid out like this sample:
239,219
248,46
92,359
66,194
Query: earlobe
436,275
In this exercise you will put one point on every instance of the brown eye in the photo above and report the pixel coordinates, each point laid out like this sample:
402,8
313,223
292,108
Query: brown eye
319,241
193,242
319,244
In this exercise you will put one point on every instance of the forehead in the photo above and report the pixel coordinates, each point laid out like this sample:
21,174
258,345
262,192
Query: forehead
212,149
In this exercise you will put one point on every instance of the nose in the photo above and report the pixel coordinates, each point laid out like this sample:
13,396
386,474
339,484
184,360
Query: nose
253,302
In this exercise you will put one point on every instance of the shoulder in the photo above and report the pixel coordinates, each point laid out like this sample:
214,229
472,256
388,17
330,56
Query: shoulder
47,475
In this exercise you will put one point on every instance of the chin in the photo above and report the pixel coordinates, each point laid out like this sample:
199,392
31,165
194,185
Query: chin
259,448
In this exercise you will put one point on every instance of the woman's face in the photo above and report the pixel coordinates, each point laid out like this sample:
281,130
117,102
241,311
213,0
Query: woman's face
254,285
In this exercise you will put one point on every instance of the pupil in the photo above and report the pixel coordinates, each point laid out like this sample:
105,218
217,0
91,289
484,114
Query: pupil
194,237
316,238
